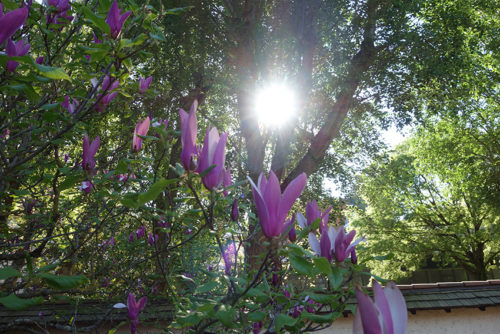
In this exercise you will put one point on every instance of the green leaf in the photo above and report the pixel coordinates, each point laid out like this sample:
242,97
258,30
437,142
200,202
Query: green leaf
179,170
322,298
62,282
70,181
206,287
98,21
127,43
189,320
122,167
52,72
256,316
282,320
301,265
47,268
12,302
51,116
153,192
316,318
9,272
323,265
335,277
226,316
49,106
296,249
158,37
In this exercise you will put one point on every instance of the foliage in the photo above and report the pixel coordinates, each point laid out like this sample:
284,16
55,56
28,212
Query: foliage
437,196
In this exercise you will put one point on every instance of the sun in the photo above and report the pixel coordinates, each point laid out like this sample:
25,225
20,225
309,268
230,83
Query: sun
275,104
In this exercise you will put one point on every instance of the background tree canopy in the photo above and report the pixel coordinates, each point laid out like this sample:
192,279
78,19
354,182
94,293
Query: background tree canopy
437,196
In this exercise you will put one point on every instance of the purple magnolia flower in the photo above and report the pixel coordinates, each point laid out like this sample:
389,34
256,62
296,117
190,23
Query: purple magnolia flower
226,180
354,257
63,18
140,232
272,206
86,187
313,212
10,22
152,239
96,40
61,8
311,304
108,84
387,315
189,130
235,211
89,151
297,310
144,84
131,237
141,129
229,257
213,153
133,309
39,60
257,326
17,49
60,5
115,19
292,235
336,241
5,134
323,247
341,242
70,106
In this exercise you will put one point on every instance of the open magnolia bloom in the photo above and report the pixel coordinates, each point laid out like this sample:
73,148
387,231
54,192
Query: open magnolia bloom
336,241
115,19
213,153
313,212
387,315
272,206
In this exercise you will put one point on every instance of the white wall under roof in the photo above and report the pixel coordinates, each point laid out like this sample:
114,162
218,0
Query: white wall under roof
458,321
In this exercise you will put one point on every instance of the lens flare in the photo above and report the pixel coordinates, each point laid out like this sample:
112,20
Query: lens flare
275,104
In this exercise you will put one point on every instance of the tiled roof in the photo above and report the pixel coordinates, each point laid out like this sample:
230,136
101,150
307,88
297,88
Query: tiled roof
448,295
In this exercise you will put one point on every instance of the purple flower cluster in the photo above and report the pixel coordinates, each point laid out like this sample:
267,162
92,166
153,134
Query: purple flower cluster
212,154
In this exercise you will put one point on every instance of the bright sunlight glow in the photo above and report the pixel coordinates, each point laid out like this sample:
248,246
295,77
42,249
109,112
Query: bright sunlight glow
275,104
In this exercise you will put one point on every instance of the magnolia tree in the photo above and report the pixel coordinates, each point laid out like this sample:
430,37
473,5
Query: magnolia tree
83,176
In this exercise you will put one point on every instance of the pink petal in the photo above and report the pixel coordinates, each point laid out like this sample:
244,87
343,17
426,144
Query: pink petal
290,195
398,308
262,210
383,306
314,244
369,313
11,22
272,196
